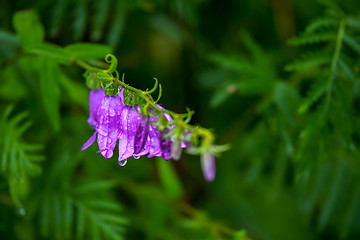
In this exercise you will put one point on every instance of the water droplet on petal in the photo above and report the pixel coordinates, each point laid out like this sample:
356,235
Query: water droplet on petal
112,112
123,162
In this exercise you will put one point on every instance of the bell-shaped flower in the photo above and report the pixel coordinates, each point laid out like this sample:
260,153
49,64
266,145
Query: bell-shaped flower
107,126
208,166
95,97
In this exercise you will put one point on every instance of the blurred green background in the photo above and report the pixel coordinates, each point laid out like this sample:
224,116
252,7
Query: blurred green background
289,107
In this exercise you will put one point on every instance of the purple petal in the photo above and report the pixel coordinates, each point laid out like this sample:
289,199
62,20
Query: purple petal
90,141
123,134
154,142
165,145
95,97
176,149
141,135
106,145
208,166
133,121
109,117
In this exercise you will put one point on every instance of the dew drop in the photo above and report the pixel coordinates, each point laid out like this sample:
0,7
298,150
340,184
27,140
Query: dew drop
112,112
123,162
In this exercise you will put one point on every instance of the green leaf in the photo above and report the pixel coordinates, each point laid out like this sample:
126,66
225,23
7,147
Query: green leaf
28,28
80,19
88,51
60,12
118,24
313,38
321,23
93,187
169,179
49,88
101,14
51,51
309,60
78,93
317,90
352,43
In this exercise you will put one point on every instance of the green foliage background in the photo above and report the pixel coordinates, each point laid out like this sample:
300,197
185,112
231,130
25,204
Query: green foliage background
289,106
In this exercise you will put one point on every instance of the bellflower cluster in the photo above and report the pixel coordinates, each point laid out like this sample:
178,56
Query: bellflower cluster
114,121
130,117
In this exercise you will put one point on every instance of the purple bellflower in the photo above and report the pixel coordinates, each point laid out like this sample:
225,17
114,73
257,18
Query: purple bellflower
114,121
208,166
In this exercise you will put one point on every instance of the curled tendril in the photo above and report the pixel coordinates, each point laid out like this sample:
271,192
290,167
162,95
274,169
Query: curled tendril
112,60
154,88
160,93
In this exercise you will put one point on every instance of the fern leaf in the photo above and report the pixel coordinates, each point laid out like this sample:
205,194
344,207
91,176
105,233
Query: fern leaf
321,23
309,60
312,38
318,89
352,43
18,158
353,22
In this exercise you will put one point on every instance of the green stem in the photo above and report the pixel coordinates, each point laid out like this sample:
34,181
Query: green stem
334,61
86,66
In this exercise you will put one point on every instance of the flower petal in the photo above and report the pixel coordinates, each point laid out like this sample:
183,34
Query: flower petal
165,145
90,141
208,166
123,137
141,135
109,117
95,97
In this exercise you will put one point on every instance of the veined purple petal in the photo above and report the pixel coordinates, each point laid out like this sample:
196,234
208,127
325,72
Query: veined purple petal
89,142
208,166
106,145
141,135
123,135
133,121
165,145
109,117
95,97
154,142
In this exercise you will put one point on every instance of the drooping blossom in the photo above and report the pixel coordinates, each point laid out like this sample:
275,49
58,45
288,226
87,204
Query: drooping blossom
95,97
107,127
115,121
208,166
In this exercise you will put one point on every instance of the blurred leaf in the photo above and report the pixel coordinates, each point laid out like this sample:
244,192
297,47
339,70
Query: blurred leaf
77,92
317,90
28,28
169,179
51,51
101,13
18,158
49,87
80,19
118,23
59,13
88,51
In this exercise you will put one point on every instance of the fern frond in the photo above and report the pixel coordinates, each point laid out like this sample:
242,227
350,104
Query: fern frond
309,60
18,158
312,38
352,43
317,90
84,206
321,23
353,22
